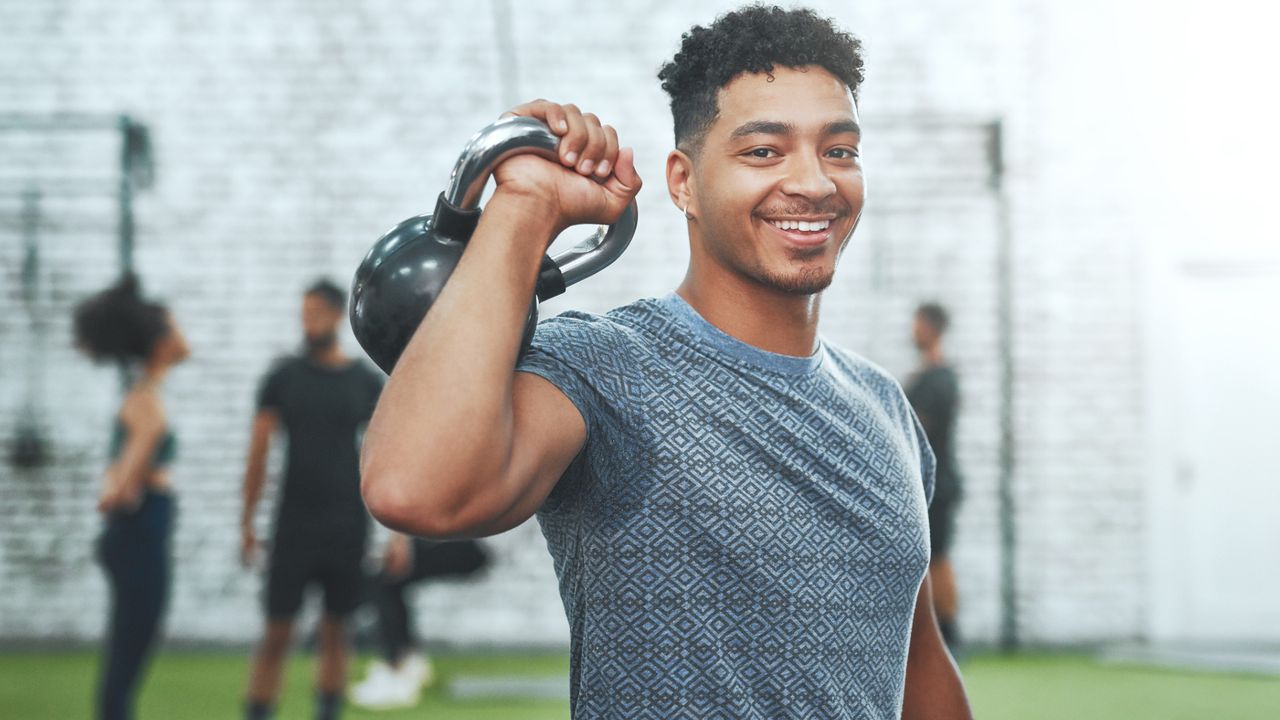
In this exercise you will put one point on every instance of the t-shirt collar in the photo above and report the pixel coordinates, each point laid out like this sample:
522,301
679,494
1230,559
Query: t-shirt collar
727,344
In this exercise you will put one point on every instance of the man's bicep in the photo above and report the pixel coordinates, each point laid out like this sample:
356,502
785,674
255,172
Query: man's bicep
933,688
547,421
265,422
548,433
923,621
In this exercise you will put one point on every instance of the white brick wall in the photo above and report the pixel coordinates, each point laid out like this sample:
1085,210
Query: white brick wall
288,135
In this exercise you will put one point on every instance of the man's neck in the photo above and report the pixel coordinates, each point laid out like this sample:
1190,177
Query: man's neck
759,316
932,356
329,357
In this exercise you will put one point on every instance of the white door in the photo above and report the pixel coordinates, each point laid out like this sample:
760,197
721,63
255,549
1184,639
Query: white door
1224,533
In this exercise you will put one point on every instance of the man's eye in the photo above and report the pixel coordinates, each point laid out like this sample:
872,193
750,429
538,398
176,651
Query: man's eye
761,153
843,153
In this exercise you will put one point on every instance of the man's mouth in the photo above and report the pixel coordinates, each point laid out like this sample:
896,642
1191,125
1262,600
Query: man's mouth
809,232
801,225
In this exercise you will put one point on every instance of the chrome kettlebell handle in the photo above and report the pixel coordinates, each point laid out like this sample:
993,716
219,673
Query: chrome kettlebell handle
516,135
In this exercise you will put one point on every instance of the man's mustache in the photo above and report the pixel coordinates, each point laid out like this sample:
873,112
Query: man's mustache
839,208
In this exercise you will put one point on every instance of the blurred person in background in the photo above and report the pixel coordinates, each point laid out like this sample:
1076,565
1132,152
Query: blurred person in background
934,393
119,325
322,399
396,679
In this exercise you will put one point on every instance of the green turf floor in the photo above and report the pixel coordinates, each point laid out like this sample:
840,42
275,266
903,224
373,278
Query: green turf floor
1079,688
187,686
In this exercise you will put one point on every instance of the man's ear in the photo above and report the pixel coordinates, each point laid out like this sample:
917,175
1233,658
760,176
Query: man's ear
680,182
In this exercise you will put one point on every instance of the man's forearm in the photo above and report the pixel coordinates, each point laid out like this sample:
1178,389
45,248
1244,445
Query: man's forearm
445,417
251,492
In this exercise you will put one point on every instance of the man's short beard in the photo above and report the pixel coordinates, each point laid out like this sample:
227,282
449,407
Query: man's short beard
808,281
320,343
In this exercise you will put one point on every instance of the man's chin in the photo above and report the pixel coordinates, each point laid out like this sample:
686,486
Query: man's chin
807,281
319,344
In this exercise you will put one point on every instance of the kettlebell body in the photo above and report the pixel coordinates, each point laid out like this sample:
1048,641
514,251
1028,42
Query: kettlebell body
404,272
399,280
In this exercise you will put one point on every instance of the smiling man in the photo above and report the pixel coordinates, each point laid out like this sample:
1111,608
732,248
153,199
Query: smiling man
736,508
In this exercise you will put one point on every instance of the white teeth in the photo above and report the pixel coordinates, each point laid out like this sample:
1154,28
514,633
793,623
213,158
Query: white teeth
802,225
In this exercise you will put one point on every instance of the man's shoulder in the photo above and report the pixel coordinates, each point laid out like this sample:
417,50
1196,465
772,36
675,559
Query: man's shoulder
858,368
938,379
625,325
283,365
946,373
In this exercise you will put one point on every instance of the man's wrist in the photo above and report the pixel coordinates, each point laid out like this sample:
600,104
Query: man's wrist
532,211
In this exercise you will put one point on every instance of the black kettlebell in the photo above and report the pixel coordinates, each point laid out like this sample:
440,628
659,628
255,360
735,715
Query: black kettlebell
405,270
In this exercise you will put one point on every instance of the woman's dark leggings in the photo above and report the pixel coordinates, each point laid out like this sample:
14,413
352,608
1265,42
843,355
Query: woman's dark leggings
134,551
430,560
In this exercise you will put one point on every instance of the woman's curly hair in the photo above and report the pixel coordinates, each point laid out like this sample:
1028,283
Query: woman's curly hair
117,324
751,40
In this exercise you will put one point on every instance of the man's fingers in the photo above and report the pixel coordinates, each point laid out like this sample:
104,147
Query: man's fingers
610,152
573,141
593,151
553,114
586,145
556,119
590,149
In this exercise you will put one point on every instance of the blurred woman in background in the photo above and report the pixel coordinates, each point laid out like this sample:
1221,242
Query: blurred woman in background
136,499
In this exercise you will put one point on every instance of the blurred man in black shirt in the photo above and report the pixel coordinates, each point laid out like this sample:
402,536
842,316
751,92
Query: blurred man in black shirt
934,393
322,400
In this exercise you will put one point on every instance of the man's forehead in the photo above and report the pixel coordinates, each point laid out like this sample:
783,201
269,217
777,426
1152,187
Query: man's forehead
801,97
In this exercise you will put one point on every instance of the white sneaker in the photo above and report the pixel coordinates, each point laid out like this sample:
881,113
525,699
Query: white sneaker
384,689
417,669
377,669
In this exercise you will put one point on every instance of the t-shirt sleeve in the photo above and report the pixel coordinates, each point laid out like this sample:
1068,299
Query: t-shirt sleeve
572,351
271,390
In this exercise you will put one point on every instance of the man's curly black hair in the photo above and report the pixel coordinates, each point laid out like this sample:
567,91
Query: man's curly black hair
118,324
753,39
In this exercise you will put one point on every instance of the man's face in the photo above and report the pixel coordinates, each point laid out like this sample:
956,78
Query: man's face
319,321
778,183
923,333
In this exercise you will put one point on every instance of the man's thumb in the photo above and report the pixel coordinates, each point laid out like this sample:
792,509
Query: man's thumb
624,172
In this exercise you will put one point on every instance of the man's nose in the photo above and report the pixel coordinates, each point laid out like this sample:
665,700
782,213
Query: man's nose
807,177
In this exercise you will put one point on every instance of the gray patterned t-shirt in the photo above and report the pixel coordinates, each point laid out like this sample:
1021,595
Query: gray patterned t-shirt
743,534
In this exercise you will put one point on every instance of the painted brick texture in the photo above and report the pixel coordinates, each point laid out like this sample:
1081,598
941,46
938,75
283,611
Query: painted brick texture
288,135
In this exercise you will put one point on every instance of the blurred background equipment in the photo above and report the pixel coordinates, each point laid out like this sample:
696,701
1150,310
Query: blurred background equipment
29,444
45,160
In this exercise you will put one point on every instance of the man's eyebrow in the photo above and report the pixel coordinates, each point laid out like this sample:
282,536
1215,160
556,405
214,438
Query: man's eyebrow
774,127
762,127
843,126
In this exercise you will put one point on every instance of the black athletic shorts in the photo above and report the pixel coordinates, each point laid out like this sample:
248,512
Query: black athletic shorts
301,558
